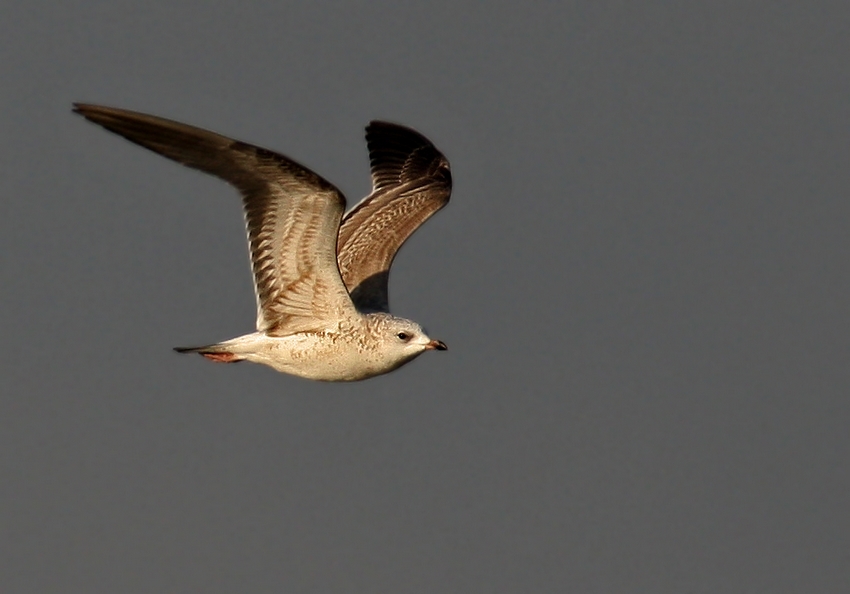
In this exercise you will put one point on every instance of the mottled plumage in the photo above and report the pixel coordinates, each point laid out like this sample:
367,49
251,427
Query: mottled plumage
320,280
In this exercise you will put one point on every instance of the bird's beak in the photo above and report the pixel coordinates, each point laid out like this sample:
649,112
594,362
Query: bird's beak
436,345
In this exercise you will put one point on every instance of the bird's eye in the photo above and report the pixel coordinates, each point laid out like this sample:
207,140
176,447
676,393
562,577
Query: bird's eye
403,336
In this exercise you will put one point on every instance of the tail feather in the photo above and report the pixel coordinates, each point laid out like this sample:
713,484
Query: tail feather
213,352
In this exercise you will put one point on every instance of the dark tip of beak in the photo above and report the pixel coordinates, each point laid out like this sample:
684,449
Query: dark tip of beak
438,345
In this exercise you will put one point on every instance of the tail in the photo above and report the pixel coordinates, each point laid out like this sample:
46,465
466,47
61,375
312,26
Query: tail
214,352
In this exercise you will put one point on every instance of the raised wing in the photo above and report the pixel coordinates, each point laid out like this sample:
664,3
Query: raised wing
292,215
411,180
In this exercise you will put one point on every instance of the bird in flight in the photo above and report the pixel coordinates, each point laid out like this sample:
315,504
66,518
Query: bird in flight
320,278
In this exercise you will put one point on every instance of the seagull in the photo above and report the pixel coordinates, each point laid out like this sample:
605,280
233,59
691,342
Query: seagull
320,279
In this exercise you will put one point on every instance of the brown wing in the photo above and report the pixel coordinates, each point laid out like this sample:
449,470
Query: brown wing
292,216
411,180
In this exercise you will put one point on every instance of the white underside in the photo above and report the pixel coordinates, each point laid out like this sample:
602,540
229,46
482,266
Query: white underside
325,357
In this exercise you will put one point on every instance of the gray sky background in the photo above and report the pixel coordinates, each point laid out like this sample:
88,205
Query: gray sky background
642,278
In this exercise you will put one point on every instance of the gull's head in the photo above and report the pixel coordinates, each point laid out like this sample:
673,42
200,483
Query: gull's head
402,340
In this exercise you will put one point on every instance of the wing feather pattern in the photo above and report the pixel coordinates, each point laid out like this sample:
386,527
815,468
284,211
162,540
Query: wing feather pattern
292,216
411,180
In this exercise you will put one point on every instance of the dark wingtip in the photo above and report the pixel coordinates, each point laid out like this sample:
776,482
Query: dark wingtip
86,110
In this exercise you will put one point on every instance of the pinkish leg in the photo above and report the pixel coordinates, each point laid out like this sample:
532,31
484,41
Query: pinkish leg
221,357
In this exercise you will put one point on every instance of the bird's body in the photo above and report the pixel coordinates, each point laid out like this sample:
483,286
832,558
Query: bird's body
320,279
352,351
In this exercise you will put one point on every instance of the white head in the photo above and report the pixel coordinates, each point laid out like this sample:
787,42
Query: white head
401,340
